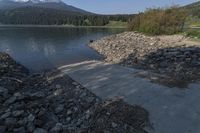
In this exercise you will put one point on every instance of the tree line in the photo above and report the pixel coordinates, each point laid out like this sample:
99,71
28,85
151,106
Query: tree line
44,16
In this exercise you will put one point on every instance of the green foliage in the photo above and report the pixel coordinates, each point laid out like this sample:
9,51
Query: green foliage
193,33
193,9
118,24
159,21
192,21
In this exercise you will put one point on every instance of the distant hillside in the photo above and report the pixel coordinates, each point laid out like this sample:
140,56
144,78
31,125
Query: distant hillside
51,12
61,6
58,5
38,15
55,12
193,9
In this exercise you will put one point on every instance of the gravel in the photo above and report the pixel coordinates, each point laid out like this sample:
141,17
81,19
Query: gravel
174,57
50,102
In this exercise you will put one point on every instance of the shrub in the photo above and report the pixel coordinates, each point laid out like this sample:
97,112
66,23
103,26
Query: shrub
159,21
193,33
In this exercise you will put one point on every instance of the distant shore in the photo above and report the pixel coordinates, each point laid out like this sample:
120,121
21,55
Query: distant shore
61,26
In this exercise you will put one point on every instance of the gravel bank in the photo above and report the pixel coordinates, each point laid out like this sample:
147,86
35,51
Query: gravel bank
50,102
174,57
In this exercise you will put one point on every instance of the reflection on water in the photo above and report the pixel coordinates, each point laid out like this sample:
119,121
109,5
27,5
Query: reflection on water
46,48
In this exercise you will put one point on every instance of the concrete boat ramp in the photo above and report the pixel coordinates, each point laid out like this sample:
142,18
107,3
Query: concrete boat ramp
172,110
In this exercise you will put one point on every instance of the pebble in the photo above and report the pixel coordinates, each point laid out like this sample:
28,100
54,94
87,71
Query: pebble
18,113
59,109
57,128
39,130
31,118
6,115
11,100
19,130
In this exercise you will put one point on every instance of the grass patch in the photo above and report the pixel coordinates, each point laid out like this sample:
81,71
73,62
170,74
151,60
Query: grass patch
117,24
159,21
196,24
193,33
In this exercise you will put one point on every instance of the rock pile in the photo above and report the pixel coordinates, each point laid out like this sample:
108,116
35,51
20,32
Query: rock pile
169,55
51,102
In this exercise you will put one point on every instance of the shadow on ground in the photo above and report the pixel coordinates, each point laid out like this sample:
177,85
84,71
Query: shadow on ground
173,66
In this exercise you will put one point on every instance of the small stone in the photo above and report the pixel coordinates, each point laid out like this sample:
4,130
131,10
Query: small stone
2,129
59,109
38,95
57,128
58,92
31,118
75,109
87,116
69,112
163,64
49,125
75,83
90,99
58,86
18,113
19,130
38,122
19,96
41,112
6,115
83,95
39,130
21,122
68,119
114,125
10,121
3,92
10,100
30,127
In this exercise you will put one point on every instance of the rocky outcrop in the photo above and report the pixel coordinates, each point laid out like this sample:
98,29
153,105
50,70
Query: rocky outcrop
172,56
52,102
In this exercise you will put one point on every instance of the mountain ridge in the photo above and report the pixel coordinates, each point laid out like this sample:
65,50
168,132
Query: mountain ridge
51,4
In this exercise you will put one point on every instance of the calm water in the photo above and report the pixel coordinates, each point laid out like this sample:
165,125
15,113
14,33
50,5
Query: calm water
40,48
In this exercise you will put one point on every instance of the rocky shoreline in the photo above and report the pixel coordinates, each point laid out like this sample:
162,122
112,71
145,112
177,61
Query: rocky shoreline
174,57
55,103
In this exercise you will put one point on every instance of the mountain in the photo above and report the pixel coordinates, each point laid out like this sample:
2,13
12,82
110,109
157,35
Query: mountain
8,4
194,5
51,4
193,9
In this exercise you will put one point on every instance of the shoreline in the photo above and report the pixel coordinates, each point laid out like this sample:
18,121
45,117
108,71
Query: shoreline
175,57
62,26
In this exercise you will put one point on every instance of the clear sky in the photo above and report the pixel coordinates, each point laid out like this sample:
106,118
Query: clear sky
123,6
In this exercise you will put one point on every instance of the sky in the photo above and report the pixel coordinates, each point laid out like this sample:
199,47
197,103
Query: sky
123,6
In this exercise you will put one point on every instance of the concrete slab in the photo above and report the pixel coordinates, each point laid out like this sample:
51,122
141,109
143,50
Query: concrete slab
172,110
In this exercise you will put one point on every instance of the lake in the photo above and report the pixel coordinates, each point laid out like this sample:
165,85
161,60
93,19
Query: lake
41,48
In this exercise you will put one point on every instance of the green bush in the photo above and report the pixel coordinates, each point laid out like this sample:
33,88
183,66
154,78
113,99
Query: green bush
159,21
193,33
